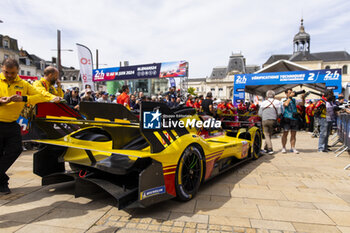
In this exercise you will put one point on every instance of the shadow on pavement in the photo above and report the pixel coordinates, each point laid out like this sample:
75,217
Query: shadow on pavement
217,190
42,205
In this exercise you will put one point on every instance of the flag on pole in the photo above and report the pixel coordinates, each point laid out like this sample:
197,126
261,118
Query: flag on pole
86,65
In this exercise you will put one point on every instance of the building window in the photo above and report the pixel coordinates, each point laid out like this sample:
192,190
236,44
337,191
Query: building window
345,69
212,89
197,88
28,73
327,67
221,90
22,72
6,44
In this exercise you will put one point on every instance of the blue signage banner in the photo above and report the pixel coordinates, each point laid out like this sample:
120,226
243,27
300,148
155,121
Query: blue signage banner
172,82
330,77
155,70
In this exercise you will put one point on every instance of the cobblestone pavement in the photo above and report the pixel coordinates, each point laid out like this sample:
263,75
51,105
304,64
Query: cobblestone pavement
306,192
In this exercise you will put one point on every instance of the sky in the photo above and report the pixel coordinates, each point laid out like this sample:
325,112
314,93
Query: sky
203,32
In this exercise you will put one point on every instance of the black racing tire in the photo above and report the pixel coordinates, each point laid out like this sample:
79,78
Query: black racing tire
189,173
257,144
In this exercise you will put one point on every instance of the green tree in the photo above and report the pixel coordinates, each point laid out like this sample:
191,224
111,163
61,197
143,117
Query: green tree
114,87
191,91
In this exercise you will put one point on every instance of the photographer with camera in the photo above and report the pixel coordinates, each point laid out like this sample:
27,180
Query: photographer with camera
342,105
290,119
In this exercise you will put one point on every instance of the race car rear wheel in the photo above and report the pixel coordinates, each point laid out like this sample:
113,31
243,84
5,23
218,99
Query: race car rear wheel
189,173
257,145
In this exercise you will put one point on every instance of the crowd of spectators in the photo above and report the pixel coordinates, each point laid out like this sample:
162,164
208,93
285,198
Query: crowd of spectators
318,116
73,97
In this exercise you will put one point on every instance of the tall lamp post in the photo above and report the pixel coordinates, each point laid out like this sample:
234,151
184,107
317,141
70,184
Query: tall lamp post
59,66
58,61
59,53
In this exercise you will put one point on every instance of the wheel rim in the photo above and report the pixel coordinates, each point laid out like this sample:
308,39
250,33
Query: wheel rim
191,171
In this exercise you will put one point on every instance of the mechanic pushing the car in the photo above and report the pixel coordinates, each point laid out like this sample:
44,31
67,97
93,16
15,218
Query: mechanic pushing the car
14,93
46,83
290,119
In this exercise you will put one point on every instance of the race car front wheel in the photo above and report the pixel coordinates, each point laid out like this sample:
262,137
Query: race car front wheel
257,145
189,173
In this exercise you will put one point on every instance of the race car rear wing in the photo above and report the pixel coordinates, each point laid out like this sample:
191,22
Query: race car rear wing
54,121
125,129
93,110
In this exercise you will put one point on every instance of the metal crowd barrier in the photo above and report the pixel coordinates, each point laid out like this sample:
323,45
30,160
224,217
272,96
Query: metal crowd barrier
343,132
342,123
336,135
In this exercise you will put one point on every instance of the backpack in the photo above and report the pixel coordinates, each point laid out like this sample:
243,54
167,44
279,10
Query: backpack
320,108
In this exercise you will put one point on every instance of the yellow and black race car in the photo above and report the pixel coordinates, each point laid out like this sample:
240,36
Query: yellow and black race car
140,160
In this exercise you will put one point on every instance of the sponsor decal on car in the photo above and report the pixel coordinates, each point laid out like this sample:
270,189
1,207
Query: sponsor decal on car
152,192
245,147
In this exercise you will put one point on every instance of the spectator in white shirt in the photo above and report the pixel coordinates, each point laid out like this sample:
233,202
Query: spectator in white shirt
269,111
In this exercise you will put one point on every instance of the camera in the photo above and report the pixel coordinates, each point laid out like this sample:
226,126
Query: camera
312,92
299,92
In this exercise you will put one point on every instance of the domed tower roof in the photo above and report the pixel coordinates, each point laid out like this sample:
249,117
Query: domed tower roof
301,35
301,41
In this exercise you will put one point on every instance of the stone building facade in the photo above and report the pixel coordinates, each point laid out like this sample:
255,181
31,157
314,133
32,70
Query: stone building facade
8,48
220,81
303,56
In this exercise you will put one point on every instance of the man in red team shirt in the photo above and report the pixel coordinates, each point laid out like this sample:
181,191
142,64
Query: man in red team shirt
222,107
230,107
310,110
197,104
189,102
124,98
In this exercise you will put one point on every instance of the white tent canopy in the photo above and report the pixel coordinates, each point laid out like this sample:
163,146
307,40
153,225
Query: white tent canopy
281,66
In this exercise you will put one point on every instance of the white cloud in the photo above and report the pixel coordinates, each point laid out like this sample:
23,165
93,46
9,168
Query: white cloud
203,32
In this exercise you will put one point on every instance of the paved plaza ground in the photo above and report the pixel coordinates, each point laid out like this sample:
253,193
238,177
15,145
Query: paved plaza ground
308,192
